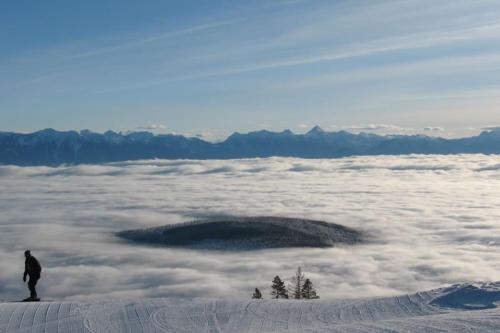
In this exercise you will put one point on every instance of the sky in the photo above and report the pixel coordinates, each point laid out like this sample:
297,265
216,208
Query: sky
417,236
210,68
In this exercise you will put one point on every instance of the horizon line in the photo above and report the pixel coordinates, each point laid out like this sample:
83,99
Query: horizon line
354,130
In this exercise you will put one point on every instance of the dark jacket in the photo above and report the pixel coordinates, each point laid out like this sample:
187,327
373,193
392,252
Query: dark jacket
32,267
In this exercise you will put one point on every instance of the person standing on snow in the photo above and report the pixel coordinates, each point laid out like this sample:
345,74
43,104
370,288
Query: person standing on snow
33,269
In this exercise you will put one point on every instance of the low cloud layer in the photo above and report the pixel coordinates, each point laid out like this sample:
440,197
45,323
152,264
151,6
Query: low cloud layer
491,128
433,129
388,129
431,220
378,127
152,127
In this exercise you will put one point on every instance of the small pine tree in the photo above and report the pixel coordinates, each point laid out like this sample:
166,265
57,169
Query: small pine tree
257,294
308,291
278,289
296,284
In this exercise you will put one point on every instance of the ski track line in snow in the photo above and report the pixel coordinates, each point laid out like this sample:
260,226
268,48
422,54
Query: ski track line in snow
38,322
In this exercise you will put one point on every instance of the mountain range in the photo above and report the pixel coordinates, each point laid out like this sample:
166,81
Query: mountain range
50,147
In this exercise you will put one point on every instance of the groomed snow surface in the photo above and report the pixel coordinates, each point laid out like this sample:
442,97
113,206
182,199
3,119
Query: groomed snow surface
460,308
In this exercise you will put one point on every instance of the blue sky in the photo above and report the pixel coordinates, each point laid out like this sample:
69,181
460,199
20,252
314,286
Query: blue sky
209,68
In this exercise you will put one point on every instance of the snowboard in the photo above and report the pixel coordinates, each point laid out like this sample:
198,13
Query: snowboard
29,299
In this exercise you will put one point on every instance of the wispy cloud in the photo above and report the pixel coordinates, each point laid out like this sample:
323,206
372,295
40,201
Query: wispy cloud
389,128
433,129
444,66
491,128
281,57
153,127
154,38
386,45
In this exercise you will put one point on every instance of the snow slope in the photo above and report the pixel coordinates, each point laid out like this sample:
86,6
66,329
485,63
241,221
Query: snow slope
441,310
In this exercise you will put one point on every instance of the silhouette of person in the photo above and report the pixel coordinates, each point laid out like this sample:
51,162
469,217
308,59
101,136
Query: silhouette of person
33,269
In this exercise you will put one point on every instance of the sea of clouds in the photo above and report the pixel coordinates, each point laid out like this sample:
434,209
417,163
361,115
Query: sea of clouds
429,221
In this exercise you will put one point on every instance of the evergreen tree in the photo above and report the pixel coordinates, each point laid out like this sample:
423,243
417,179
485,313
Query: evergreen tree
308,291
257,294
295,287
278,289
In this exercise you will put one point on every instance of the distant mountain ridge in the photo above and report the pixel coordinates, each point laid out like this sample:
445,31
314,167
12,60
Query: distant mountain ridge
51,147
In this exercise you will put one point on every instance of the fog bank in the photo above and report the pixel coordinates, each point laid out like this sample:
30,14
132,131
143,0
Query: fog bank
432,220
